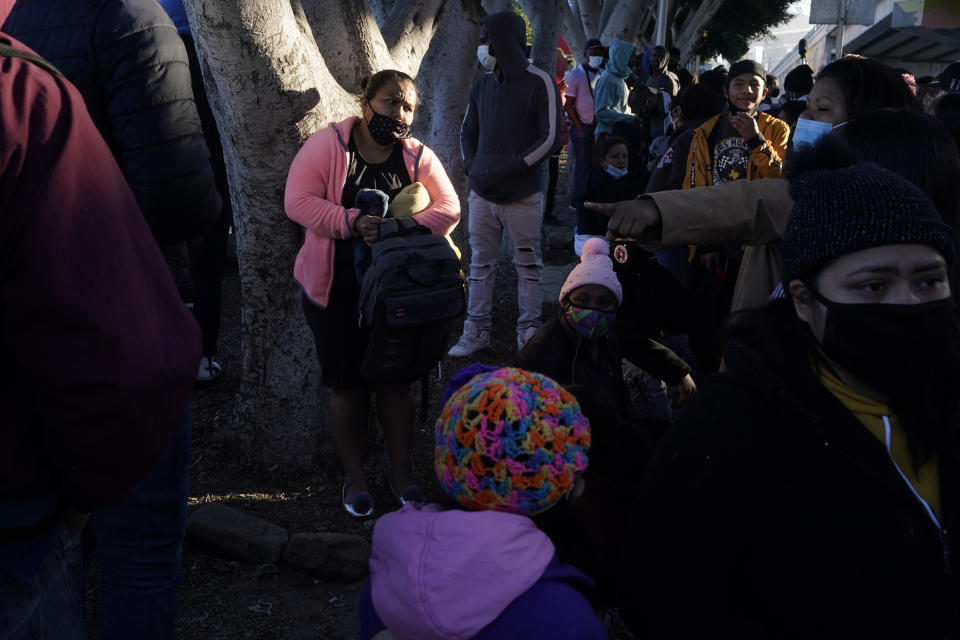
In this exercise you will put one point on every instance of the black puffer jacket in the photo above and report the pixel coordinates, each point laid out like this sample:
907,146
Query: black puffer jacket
769,511
556,351
131,67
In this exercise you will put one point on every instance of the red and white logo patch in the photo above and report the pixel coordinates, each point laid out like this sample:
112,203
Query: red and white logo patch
620,253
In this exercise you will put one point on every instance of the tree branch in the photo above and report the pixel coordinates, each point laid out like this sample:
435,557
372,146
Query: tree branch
572,30
545,17
604,18
351,41
690,31
591,16
408,30
672,22
623,22
644,24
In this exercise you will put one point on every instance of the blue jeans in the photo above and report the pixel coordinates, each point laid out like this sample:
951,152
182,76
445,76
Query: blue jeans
582,142
52,607
139,544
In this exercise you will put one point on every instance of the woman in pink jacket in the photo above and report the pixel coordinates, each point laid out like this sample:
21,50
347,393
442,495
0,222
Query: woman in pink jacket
374,151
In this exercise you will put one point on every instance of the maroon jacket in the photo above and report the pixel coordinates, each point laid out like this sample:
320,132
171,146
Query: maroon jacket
97,352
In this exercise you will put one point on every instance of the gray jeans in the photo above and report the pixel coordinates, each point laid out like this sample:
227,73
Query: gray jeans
522,221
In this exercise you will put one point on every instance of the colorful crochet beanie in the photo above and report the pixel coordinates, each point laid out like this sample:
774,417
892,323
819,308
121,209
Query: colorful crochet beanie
510,440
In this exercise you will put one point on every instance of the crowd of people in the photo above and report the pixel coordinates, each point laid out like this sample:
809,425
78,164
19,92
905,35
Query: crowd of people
794,467
741,419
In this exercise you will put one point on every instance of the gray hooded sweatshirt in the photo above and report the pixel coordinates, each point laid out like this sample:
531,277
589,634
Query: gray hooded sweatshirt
513,120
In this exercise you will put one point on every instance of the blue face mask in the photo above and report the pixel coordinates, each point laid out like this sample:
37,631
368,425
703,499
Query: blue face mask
616,173
809,131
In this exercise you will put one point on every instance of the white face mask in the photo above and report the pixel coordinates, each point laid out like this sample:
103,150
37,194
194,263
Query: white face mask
487,61
616,173
595,61
809,131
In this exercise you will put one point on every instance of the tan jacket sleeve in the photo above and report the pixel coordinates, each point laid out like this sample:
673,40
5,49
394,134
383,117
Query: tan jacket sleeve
749,212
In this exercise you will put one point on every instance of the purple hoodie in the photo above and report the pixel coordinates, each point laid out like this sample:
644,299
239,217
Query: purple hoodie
455,575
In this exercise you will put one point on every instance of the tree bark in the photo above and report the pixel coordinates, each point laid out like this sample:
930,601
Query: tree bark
573,32
623,21
270,87
495,6
265,105
690,31
409,31
445,79
545,17
591,16
353,47
642,41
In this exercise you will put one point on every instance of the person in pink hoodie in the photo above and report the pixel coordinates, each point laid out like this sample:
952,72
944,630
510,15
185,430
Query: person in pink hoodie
510,444
373,151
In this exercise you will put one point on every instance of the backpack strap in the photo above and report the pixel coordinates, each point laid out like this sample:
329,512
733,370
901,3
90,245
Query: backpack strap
7,50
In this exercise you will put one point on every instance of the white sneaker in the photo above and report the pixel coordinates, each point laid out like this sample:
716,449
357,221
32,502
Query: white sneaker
524,335
209,370
470,342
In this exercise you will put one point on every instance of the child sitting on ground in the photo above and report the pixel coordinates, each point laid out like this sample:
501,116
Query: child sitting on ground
510,444
577,345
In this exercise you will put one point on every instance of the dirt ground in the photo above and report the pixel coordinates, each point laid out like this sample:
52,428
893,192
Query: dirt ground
220,598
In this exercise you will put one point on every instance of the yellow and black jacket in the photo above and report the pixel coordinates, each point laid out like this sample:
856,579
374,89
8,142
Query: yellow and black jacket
766,151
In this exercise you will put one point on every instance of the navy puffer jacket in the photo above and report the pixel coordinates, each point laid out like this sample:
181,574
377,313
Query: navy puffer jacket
131,67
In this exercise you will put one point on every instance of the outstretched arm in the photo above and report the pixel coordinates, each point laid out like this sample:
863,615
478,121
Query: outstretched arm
750,212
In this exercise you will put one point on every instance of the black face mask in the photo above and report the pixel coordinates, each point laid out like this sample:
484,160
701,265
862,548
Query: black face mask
888,346
385,130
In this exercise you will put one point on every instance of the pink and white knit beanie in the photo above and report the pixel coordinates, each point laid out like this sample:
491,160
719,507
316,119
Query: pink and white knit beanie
595,268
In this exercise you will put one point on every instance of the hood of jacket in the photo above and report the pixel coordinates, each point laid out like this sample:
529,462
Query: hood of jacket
6,6
508,35
448,574
620,52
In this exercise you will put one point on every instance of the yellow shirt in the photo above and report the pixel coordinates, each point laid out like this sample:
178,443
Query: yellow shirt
926,480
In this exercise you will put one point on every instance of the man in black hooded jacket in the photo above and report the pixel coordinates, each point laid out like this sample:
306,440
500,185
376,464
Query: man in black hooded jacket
512,124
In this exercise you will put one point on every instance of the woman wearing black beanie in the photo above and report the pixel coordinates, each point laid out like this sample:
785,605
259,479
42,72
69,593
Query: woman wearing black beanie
810,490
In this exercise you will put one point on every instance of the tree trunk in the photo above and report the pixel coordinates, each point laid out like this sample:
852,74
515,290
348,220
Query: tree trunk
623,21
690,31
270,88
495,6
591,16
545,17
445,79
353,47
573,32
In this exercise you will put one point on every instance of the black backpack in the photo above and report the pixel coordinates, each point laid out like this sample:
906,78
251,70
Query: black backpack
410,292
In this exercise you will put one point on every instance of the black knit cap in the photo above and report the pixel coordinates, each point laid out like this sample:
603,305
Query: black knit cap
746,66
839,211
